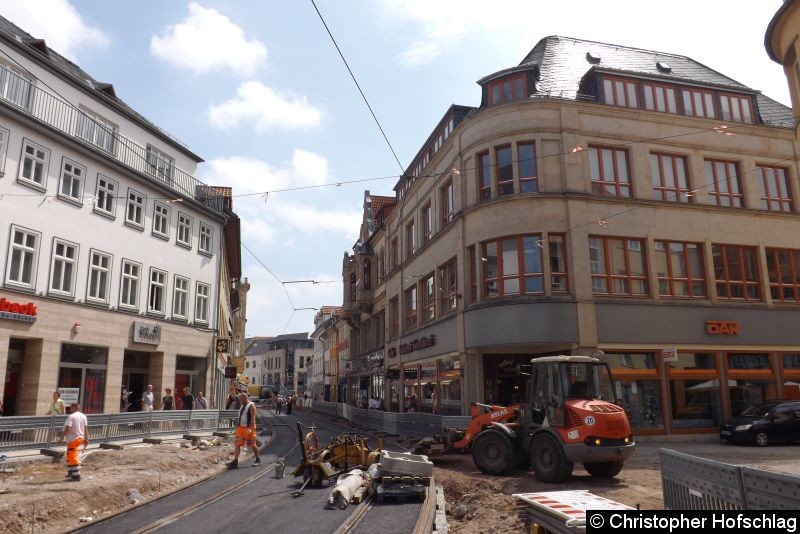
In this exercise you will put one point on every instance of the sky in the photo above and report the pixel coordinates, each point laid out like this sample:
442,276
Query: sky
257,89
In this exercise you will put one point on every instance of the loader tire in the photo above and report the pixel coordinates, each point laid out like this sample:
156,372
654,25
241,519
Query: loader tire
493,453
603,469
548,460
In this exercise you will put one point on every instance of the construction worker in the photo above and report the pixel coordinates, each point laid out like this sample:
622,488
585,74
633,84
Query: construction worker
76,432
245,433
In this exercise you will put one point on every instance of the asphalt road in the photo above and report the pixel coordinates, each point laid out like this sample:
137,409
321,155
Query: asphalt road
265,503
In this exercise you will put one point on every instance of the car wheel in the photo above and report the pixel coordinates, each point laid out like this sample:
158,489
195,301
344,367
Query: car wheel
761,439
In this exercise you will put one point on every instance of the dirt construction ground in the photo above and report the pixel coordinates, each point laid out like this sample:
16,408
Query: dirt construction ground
491,509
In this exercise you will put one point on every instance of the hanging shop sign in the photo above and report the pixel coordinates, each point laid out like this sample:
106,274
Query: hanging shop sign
15,311
417,344
392,352
149,333
669,355
376,359
348,366
223,344
722,328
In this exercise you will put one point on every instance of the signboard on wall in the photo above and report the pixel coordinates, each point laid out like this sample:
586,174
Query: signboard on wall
722,328
149,333
18,312
669,354
223,344
69,395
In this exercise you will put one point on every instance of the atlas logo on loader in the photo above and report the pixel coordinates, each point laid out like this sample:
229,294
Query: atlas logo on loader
572,417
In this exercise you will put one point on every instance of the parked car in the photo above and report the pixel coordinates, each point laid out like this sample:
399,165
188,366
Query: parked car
765,423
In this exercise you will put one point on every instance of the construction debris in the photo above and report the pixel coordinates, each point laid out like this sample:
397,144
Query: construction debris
346,487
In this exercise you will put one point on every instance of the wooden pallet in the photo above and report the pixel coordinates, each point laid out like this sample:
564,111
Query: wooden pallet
405,479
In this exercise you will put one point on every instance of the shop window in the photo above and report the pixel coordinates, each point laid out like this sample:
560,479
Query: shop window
679,268
791,376
410,398
641,400
84,367
450,387
750,380
617,266
428,387
736,272
695,403
631,361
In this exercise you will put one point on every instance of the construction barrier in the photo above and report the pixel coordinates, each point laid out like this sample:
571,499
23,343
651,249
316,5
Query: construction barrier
24,432
692,483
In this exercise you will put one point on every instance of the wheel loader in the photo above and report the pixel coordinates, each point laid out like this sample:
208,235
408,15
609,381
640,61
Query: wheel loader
571,417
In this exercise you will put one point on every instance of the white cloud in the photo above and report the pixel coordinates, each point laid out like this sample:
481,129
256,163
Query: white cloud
257,105
251,175
207,41
55,21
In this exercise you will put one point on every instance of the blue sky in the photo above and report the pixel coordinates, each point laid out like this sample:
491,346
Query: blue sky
257,89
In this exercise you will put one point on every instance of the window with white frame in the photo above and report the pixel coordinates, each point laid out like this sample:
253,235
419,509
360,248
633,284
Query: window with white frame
206,235
35,159
180,297
129,286
99,276
184,230
134,214
71,185
98,131
15,88
161,219
201,302
23,253
105,200
156,302
159,164
4,135
63,266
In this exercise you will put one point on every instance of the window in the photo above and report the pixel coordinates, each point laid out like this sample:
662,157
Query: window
23,253
161,220
448,286
447,205
395,252
206,235
394,317
783,267
472,274
668,174
427,223
608,169
366,277
694,391
724,188
71,184
428,306
660,98
735,108
97,130
106,196
99,276
736,272
526,158
751,380
679,268
201,303
4,135
513,266
620,93
484,176
558,263
638,388
184,230
129,290
15,88
410,307
617,266
134,215
159,164
774,186
63,267
35,160
504,173
381,266
180,297
158,288
411,240
698,103
506,89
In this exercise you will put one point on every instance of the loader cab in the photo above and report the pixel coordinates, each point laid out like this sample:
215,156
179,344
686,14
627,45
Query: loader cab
556,380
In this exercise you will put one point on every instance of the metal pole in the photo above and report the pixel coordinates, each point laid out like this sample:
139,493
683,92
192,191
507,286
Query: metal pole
149,423
50,432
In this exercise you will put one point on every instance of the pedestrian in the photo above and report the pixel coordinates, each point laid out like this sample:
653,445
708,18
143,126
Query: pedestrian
232,402
245,433
76,432
148,399
278,404
187,400
289,402
168,401
200,402
124,399
57,407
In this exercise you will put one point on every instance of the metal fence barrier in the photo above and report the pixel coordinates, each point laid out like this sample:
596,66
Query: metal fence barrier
42,432
692,483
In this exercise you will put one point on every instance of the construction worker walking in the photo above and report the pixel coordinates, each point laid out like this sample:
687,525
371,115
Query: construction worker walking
245,433
76,432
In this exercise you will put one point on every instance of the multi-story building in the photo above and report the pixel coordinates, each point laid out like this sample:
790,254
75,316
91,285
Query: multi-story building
284,361
258,366
112,252
602,200
318,371
783,47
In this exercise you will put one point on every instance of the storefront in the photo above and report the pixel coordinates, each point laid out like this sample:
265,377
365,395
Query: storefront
83,367
429,386
190,372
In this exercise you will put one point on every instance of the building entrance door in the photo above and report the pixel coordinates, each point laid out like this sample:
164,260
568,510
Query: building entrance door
16,350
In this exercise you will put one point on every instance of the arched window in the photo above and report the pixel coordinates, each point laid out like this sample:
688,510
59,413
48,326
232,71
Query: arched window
367,278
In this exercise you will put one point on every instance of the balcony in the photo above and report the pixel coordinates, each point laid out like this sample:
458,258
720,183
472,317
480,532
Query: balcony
18,93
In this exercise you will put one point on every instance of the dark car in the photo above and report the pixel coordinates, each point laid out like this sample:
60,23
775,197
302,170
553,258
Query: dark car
768,422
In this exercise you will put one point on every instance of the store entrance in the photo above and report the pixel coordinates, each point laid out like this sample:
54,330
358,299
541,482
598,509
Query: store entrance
504,382
16,350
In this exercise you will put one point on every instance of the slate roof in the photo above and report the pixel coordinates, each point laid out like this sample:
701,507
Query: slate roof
562,64
103,91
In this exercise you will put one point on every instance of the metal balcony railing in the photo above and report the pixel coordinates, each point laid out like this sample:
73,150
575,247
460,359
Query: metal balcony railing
20,93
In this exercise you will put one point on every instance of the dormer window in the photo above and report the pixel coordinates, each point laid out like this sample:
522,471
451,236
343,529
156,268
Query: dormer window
620,92
735,108
663,66
506,89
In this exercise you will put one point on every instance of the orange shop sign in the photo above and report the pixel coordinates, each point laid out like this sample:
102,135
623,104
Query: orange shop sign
722,328
18,312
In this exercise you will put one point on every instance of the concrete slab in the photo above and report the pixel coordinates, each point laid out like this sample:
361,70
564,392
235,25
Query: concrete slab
113,446
152,441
